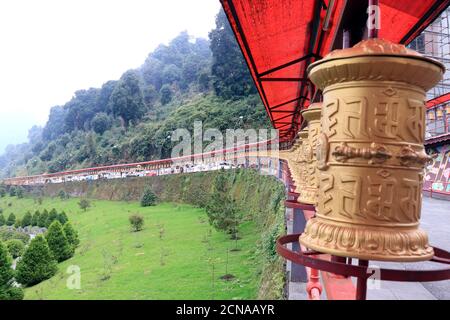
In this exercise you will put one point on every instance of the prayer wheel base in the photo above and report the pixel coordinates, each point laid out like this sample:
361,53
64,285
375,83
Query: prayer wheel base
366,242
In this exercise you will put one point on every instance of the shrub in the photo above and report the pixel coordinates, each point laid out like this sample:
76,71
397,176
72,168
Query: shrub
71,234
18,223
6,273
11,219
62,195
57,242
15,293
37,263
19,192
42,222
2,220
84,204
148,198
35,219
62,218
137,222
52,216
2,191
27,219
7,289
6,235
12,191
15,247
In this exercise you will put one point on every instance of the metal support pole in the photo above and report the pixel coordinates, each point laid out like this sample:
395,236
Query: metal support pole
361,284
346,39
280,170
373,14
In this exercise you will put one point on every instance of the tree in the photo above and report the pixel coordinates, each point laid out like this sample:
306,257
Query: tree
104,96
171,74
2,191
148,198
42,222
222,210
2,220
231,77
84,204
166,94
19,192
126,100
11,219
136,221
37,263
36,217
18,223
15,247
100,123
52,216
55,125
62,218
150,95
27,219
7,289
71,234
12,191
58,243
62,195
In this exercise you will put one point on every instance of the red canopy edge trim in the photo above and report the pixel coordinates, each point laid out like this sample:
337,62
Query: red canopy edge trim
438,100
233,18
432,14
315,41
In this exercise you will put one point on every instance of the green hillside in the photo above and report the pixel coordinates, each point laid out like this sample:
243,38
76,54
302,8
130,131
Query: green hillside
172,258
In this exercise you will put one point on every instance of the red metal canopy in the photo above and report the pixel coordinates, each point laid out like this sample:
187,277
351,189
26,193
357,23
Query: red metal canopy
438,100
280,38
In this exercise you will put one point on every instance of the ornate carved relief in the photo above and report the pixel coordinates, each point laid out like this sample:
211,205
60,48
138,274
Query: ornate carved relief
376,153
322,152
408,157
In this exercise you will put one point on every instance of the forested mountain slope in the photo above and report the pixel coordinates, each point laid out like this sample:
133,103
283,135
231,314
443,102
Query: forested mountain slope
130,119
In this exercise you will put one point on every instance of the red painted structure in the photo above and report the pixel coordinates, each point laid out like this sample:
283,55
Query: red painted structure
224,154
438,120
279,39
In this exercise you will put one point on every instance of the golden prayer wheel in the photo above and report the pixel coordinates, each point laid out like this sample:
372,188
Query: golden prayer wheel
310,187
297,168
370,153
291,156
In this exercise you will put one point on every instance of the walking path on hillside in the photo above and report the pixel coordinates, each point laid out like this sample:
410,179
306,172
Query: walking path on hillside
435,221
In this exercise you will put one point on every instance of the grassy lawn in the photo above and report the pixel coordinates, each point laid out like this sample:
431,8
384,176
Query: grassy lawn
177,255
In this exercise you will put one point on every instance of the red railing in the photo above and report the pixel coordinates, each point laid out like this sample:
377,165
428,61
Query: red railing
437,188
438,121
219,155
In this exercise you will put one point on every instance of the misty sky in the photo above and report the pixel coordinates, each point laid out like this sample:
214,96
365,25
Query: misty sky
51,48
